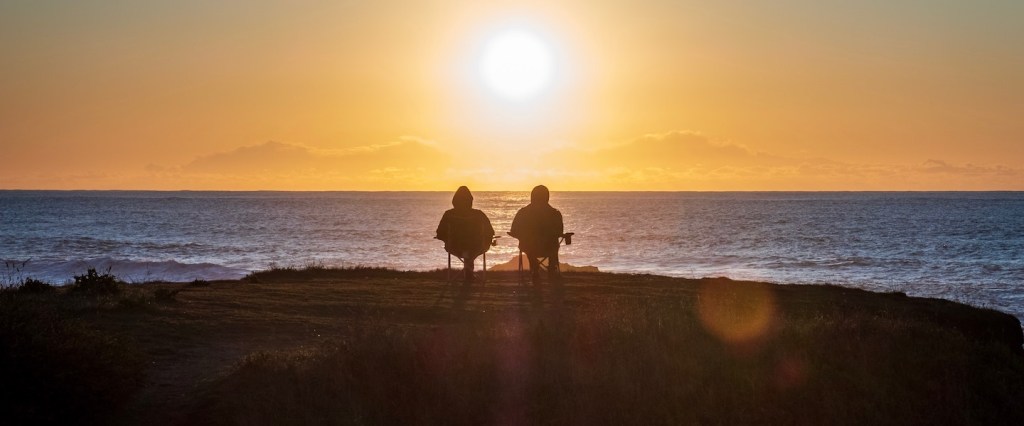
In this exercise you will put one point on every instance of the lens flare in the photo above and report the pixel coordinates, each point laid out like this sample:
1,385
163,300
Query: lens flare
734,312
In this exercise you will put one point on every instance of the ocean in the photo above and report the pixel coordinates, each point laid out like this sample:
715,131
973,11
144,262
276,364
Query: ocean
964,246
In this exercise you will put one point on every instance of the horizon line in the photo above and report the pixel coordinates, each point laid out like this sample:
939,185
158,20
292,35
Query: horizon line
527,190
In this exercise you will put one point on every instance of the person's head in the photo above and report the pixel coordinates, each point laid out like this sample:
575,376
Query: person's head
462,199
540,195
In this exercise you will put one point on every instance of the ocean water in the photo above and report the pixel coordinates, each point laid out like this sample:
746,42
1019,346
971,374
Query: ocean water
960,246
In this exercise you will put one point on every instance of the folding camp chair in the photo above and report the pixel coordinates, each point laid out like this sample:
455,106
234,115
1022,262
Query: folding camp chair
450,277
543,261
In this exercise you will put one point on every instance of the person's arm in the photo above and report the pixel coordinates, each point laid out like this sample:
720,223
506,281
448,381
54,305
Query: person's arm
442,228
558,223
516,224
487,226
486,230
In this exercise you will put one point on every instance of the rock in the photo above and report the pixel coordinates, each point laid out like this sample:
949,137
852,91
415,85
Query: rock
513,265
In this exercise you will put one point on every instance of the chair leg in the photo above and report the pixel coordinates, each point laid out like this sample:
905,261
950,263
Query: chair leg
452,277
520,267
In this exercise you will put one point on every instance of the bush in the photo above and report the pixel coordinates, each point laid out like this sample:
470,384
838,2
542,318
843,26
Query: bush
199,283
34,286
94,283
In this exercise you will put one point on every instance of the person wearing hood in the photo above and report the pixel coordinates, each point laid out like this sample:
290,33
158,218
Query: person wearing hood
466,232
538,226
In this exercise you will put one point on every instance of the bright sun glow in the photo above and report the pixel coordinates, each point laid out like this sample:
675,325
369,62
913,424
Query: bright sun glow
516,65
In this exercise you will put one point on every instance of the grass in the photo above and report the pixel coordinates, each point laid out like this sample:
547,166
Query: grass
57,370
635,362
373,346
320,272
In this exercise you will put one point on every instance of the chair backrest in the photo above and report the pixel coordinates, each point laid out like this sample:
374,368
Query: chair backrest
466,233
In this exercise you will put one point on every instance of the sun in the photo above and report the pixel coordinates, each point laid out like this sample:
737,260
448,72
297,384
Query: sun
516,65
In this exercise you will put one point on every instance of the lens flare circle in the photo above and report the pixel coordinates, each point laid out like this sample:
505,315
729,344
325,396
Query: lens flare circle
516,65
734,312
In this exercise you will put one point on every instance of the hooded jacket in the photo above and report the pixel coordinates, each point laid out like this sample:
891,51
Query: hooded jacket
538,225
463,228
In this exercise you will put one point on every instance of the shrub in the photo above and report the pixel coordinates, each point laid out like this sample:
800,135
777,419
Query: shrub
94,283
34,286
199,283
12,273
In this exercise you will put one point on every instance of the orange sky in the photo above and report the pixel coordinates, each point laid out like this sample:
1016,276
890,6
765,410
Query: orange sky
371,95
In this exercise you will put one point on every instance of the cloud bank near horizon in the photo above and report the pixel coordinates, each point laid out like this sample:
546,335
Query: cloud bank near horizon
691,160
676,160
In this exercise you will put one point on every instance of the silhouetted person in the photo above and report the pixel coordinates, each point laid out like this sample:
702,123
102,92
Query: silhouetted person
466,232
538,226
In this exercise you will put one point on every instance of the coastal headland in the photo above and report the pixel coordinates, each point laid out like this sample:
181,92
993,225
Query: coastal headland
377,346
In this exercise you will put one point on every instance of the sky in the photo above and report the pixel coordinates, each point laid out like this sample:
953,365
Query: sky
389,95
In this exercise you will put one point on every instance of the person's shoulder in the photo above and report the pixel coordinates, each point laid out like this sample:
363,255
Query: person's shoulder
454,214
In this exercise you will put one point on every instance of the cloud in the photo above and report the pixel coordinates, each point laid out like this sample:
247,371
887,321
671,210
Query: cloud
677,160
407,163
685,160
288,158
680,148
669,150
942,167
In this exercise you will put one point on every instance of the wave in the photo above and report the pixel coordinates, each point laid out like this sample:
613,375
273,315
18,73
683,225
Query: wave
132,271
